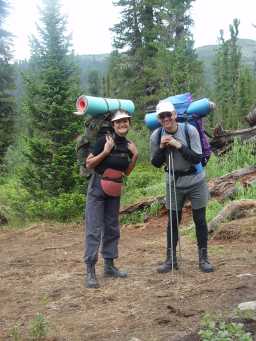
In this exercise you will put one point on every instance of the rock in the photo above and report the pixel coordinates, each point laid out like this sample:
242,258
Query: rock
251,305
245,275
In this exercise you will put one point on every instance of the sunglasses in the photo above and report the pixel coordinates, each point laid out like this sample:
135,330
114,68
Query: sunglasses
163,115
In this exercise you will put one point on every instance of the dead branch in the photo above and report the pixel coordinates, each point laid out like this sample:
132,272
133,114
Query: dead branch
223,139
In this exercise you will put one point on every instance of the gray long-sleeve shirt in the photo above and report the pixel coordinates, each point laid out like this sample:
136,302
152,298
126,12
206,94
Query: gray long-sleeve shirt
180,159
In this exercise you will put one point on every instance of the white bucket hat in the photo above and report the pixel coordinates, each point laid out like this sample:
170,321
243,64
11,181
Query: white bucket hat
119,114
164,106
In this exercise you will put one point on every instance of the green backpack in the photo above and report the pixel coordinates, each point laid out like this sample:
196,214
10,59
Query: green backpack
93,128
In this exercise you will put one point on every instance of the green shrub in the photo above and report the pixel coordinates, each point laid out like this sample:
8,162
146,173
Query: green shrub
38,327
215,329
65,207
15,333
17,205
13,200
241,155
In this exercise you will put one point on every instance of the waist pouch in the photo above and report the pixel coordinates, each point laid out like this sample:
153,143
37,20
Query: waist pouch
112,182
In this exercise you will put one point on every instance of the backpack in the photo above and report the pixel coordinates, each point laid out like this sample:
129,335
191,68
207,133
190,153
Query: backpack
206,147
94,127
186,114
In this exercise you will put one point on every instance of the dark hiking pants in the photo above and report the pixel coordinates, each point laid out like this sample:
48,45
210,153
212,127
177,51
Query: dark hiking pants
199,217
101,223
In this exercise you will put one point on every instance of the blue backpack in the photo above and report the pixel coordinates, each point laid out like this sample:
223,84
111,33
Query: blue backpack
188,112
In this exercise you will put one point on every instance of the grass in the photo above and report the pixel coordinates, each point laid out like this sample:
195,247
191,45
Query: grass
144,182
37,329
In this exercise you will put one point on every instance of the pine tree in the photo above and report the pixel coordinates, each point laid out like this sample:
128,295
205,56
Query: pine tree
7,112
159,58
51,91
94,83
234,83
181,70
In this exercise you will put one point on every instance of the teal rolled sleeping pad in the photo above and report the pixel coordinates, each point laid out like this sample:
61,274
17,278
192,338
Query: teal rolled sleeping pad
97,106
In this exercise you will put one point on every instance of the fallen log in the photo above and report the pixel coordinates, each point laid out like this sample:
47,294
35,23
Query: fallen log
220,188
143,204
222,140
226,186
234,210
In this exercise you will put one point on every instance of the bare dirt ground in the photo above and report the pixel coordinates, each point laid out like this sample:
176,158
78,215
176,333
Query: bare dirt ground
41,270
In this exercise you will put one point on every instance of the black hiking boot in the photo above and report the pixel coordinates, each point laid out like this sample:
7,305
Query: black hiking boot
111,271
167,264
91,280
204,264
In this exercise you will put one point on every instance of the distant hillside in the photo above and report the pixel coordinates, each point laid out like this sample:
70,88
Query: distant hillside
100,62
88,63
207,53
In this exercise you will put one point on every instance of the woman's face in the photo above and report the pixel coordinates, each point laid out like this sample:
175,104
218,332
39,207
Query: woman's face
121,126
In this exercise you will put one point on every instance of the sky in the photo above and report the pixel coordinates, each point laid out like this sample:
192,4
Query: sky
90,21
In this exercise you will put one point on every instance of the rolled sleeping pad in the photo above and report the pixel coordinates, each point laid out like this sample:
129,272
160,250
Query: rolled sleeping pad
151,121
200,108
196,109
181,102
97,106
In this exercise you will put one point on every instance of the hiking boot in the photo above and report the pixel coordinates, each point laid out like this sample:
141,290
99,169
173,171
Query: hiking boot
111,271
204,264
91,280
167,264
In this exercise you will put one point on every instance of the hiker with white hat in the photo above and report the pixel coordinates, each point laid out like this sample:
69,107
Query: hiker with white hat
177,146
112,157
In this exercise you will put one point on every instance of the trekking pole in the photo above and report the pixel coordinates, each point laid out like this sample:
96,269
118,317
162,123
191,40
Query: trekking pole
170,225
176,206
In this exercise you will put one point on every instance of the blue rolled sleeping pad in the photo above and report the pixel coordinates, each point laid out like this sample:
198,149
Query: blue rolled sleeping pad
185,111
98,106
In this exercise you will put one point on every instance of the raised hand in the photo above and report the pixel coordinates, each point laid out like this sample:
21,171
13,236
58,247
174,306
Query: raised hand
109,144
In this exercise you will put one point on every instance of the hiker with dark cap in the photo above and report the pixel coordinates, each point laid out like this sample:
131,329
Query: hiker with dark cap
187,181
112,157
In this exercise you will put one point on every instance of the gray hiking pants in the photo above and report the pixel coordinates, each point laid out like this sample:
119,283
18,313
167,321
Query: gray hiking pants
101,223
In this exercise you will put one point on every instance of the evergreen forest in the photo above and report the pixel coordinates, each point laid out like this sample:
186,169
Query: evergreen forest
153,57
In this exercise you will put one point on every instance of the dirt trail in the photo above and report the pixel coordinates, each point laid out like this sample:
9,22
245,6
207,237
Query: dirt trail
41,270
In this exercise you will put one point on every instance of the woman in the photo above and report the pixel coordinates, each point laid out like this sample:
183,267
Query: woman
112,158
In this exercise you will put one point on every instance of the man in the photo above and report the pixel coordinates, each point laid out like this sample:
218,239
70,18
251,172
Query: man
180,142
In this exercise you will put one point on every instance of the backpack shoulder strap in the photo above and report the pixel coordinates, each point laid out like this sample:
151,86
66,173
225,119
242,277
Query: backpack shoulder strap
187,135
159,135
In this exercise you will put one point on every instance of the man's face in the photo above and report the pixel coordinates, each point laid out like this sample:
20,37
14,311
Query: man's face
168,120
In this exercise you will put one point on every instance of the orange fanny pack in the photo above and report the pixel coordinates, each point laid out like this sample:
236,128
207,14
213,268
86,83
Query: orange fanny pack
112,182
